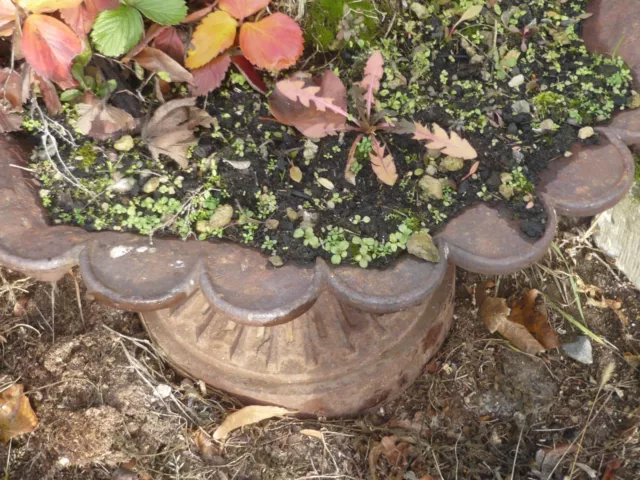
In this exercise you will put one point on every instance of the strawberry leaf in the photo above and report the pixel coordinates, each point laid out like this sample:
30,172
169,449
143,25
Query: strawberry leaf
169,41
210,77
242,9
117,31
8,14
43,6
214,35
250,73
383,165
165,12
273,43
50,46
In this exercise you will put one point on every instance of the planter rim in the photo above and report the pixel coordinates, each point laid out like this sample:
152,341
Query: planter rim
131,272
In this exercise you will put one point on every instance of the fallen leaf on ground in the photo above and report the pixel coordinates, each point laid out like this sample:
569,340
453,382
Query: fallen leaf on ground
250,73
100,120
170,130
19,308
16,415
316,107
248,416
43,6
49,94
548,458
531,312
157,61
170,42
395,449
632,360
214,35
8,14
612,469
525,324
11,87
312,433
438,139
9,121
210,452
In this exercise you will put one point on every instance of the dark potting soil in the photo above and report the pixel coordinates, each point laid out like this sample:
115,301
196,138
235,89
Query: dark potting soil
460,83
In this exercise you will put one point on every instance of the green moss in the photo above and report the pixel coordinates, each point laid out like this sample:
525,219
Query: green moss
86,155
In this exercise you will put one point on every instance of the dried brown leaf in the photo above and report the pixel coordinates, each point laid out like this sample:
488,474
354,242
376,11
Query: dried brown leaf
9,121
494,313
170,129
11,87
530,311
439,140
317,107
49,94
295,173
16,415
382,164
102,121
349,176
157,61
210,452
248,416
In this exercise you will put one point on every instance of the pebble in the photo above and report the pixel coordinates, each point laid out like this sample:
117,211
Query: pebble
580,350
517,81
431,187
452,164
221,217
151,185
586,132
421,245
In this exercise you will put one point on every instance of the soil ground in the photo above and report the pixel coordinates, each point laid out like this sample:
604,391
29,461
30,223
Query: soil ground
480,410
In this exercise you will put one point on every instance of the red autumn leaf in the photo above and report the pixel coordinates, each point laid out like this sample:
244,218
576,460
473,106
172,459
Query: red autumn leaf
215,34
157,61
530,311
11,87
383,165
242,9
210,77
373,73
273,43
49,94
250,73
472,170
316,107
169,41
440,140
50,47
82,17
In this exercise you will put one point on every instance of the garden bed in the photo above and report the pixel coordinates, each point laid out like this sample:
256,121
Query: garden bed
514,80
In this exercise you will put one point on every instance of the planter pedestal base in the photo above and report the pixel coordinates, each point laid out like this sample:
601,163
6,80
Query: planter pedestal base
333,360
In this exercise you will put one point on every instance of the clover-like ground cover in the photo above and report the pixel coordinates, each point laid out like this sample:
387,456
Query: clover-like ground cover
515,80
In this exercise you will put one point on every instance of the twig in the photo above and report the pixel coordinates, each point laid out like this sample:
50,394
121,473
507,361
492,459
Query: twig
515,457
75,281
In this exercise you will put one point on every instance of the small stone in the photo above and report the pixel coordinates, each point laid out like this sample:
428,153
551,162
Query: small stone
271,224
152,185
431,187
310,150
292,214
276,261
451,164
568,154
517,81
518,156
548,125
506,191
162,391
309,220
580,350
221,217
521,106
420,10
123,185
586,132
421,245
433,153
124,144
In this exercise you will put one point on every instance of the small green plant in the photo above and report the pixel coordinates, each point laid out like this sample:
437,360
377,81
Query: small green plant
310,239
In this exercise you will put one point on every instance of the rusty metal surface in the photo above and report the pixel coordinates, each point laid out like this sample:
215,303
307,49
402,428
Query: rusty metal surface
323,339
334,360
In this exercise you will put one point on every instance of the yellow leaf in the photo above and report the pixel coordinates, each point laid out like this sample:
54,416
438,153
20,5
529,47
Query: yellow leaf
42,6
214,35
248,416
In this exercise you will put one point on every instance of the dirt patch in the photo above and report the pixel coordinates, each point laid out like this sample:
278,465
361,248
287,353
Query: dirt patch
104,396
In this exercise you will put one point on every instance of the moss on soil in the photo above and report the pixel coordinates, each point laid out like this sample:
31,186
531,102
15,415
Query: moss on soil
460,81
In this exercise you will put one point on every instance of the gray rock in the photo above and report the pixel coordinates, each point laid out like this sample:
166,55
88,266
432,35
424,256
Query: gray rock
580,350
221,217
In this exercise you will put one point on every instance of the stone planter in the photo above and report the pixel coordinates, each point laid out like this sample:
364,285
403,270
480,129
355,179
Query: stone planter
323,340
